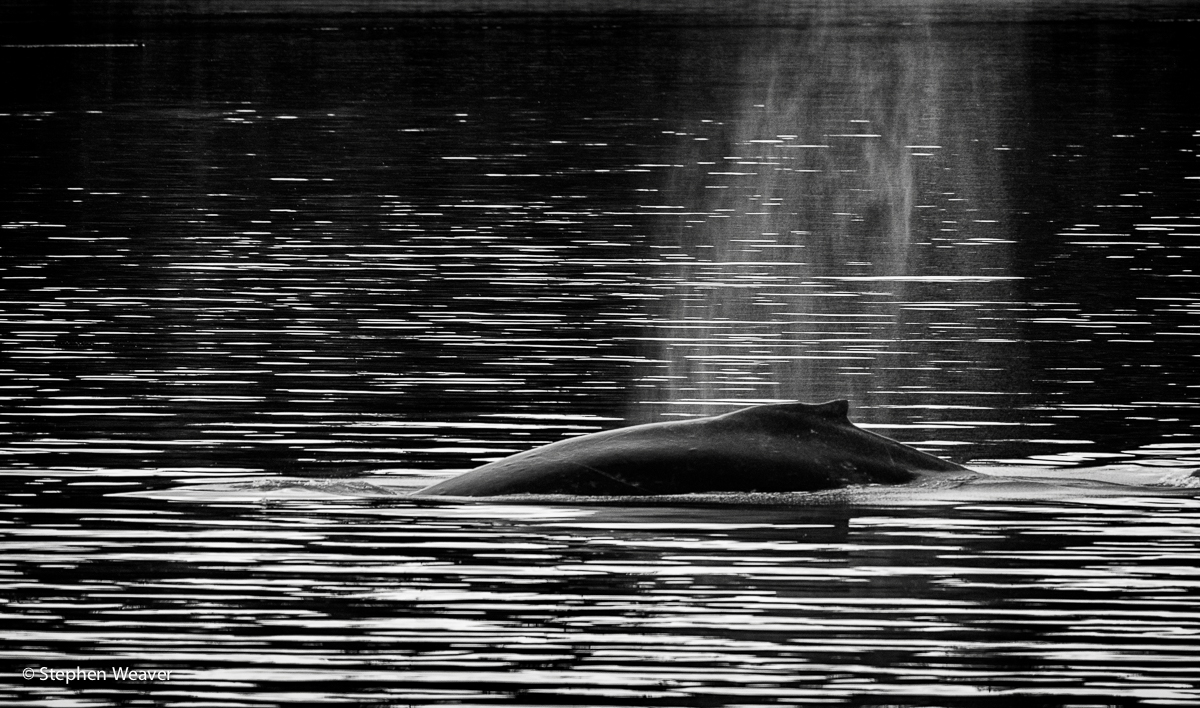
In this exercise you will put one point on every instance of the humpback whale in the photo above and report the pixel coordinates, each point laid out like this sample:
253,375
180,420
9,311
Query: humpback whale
789,447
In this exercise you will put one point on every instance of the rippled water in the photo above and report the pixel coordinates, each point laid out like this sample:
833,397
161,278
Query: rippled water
259,280
349,601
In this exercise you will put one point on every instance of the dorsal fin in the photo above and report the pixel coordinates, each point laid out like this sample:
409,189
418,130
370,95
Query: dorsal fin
838,409
835,411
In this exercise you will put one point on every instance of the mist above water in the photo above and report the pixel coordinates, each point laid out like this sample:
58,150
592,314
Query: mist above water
824,227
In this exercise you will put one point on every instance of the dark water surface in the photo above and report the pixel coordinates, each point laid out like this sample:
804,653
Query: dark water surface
257,280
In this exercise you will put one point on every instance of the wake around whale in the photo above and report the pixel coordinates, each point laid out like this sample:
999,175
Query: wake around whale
790,447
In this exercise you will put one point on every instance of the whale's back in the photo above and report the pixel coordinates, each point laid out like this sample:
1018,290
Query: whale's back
771,448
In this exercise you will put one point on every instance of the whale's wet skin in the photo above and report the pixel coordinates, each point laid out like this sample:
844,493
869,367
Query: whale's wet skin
773,448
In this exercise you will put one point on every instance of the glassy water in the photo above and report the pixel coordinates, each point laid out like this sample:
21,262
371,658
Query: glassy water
258,280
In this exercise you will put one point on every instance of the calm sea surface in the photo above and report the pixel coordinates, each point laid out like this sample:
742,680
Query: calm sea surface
259,279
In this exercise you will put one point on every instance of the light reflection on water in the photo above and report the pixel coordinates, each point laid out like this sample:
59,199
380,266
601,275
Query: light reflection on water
474,603
839,213
254,284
